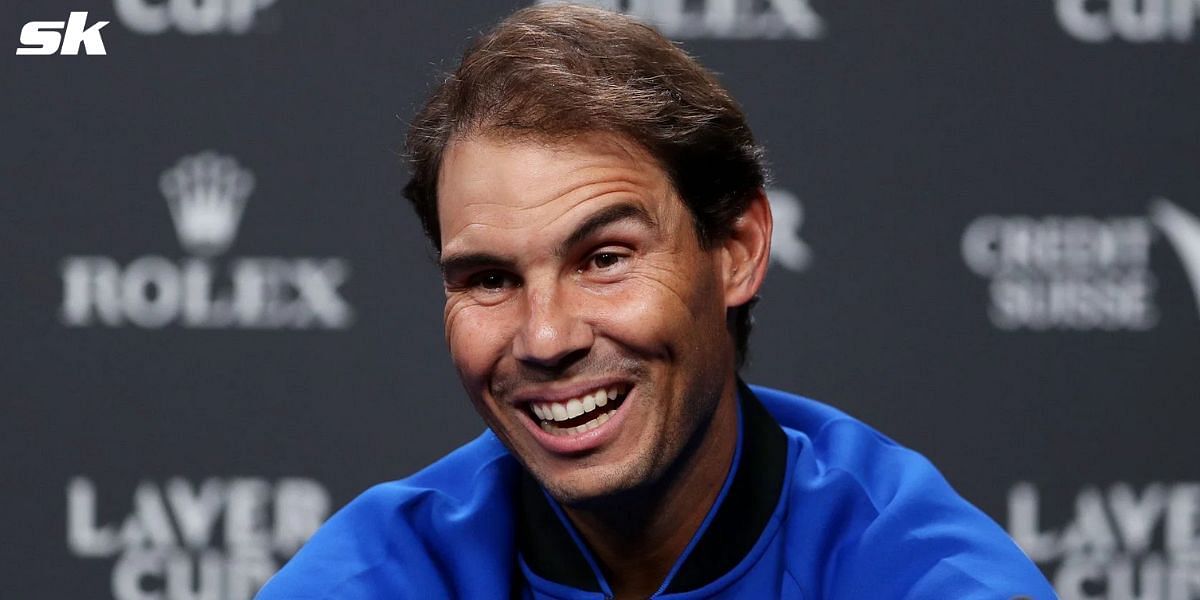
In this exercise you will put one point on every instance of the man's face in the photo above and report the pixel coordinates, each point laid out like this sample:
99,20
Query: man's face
585,319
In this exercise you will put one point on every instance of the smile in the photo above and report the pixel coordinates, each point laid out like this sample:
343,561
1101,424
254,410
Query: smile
578,415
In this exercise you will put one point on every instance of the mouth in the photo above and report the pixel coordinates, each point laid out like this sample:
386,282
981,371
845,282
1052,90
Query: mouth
579,415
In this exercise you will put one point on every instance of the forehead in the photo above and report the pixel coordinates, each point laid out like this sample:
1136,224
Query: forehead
491,188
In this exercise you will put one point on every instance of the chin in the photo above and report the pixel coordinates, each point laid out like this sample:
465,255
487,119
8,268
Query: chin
594,485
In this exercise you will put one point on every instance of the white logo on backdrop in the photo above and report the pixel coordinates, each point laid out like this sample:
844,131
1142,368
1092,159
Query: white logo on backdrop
206,195
722,19
192,17
221,539
1182,230
787,248
42,38
1117,543
1098,21
1077,272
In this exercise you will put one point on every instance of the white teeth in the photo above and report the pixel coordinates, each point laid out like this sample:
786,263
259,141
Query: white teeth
548,412
578,429
574,408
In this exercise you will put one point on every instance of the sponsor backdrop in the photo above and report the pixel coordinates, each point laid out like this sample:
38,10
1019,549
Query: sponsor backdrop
221,322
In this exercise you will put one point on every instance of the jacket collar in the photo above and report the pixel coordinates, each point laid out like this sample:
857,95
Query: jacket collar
553,550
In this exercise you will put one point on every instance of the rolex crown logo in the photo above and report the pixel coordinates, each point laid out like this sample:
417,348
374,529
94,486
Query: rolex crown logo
206,194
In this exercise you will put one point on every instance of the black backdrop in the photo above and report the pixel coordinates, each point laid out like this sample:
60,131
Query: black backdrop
220,320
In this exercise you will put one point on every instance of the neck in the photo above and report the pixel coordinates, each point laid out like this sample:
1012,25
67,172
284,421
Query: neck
639,536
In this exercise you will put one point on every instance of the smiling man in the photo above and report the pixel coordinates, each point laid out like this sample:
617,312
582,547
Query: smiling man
595,198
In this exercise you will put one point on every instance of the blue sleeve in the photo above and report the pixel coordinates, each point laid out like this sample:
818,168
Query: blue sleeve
366,550
923,541
433,535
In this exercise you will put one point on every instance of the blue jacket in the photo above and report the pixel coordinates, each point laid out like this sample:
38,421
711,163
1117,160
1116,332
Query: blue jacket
817,505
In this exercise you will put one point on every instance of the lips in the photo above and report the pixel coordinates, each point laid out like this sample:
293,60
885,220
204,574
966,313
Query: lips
583,419
580,414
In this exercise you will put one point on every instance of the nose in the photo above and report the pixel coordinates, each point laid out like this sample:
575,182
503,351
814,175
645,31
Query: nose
553,334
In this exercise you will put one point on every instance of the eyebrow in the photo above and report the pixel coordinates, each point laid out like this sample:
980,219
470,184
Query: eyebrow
474,260
603,218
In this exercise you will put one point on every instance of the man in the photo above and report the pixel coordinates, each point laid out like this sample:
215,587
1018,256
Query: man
596,201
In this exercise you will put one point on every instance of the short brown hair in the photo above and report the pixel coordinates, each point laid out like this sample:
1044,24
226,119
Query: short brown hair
550,72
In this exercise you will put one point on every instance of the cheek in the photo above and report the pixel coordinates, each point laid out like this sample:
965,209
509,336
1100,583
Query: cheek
477,338
656,313
683,313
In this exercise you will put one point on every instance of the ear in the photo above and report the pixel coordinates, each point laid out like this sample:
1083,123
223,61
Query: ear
746,252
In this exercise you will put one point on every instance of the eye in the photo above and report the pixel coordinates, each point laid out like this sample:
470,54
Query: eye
606,263
605,260
492,281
